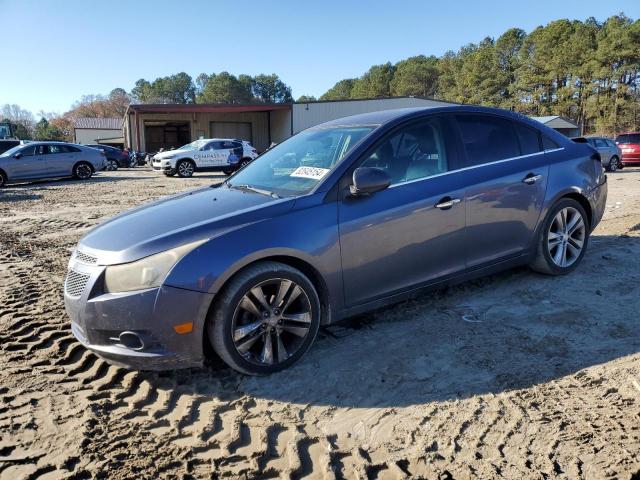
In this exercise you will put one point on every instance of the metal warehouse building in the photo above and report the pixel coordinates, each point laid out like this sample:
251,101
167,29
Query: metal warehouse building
149,127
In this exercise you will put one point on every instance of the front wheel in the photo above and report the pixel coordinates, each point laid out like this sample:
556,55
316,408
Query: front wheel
265,319
185,168
112,165
82,171
563,239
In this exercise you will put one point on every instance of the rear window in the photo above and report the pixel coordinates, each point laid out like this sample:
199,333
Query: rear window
548,144
628,138
70,149
487,138
529,139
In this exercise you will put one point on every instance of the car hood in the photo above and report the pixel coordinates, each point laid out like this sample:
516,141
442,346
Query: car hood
177,220
168,153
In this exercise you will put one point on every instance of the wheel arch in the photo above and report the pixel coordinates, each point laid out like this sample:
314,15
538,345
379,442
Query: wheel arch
582,200
4,174
310,271
93,169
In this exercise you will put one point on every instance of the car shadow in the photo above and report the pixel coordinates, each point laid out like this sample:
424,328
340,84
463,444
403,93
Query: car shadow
10,195
507,331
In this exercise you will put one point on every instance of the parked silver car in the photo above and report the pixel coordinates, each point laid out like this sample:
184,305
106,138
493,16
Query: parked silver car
37,160
609,152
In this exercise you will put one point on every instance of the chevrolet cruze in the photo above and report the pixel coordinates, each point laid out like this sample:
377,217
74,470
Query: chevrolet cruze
339,219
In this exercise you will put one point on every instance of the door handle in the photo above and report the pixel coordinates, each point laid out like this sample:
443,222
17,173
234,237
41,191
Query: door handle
531,179
446,203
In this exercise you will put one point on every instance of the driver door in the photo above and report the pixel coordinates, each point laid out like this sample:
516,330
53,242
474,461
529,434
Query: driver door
31,164
411,233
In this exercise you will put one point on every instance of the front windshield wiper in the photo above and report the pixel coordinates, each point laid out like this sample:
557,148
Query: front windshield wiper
247,187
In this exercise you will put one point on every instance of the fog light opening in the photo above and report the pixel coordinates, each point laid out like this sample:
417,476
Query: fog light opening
131,340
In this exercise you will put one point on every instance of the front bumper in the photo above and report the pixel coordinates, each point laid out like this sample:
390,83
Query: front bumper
98,320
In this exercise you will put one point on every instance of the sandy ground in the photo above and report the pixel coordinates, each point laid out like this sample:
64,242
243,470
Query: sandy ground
513,376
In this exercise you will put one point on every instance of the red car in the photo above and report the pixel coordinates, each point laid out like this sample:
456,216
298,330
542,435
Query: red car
629,144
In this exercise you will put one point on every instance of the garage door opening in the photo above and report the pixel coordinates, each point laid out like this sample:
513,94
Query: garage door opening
166,135
238,130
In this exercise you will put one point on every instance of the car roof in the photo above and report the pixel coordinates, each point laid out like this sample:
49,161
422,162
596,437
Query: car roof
386,116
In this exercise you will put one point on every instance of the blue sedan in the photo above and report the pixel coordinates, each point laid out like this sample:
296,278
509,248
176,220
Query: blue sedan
341,218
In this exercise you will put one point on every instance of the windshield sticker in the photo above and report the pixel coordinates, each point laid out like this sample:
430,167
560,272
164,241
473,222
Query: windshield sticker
314,173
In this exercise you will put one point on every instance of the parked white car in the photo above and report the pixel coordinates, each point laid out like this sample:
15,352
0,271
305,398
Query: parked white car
213,154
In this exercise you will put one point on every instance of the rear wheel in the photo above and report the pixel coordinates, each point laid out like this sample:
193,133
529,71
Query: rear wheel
614,164
227,172
82,171
266,319
3,179
185,168
112,165
563,239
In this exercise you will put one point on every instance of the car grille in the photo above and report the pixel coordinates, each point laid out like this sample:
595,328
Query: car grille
75,283
85,258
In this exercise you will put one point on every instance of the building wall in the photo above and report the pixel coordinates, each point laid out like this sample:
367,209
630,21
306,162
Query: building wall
280,125
88,135
199,124
307,115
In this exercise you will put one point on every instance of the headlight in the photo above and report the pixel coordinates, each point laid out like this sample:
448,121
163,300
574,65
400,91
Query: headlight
148,272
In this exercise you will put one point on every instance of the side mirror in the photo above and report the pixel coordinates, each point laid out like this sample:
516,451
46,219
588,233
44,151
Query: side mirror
367,180
17,156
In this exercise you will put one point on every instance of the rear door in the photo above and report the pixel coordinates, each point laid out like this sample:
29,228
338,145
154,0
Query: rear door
506,178
60,160
604,149
31,164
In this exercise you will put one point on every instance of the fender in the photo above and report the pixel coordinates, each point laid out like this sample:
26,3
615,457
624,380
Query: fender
308,235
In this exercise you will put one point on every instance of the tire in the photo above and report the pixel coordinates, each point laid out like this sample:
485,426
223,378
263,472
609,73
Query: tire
112,165
3,179
270,323
244,162
227,172
552,260
185,168
82,171
614,164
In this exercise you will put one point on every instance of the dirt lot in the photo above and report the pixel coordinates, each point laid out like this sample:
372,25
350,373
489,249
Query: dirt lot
513,376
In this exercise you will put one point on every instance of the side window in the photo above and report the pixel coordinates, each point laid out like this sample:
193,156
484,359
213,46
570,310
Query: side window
415,151
209,146
487,138
548,144
600,143
53,149
70,149
29,151
529,139
610,143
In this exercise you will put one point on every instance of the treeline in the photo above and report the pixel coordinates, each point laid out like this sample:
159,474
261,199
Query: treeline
212,88
586,71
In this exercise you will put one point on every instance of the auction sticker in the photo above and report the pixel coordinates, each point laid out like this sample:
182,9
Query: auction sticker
314,173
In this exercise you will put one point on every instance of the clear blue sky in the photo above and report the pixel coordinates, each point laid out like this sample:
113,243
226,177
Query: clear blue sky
60,50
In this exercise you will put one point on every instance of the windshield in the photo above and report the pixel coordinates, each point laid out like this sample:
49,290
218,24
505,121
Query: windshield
298,164
12,151
628,138
197,145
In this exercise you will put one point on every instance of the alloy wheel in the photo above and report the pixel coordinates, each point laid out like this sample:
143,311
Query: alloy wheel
613,165
83,171
185,169
271,322
566,237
